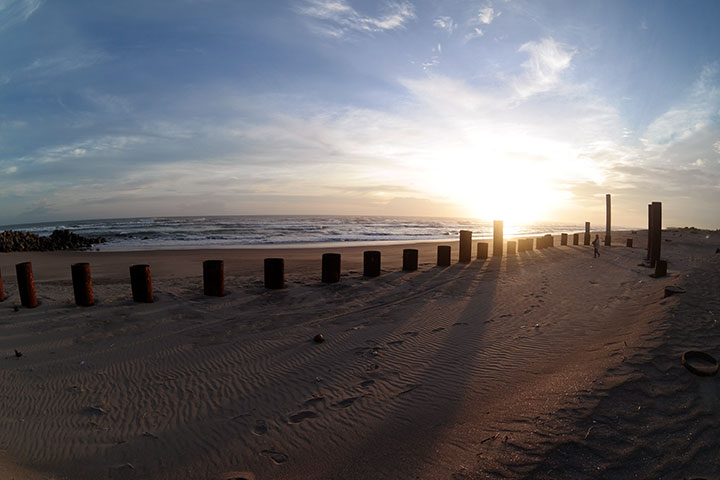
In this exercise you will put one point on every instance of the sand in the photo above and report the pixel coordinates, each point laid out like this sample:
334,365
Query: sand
543,364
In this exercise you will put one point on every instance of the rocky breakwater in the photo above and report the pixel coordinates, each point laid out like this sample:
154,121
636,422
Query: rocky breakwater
11,241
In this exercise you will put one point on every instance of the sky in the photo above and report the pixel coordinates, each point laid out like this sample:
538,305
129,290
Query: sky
504,109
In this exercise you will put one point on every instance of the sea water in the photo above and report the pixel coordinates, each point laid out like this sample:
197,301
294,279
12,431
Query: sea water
276,230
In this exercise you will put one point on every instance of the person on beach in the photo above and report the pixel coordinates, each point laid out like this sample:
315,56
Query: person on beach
596,246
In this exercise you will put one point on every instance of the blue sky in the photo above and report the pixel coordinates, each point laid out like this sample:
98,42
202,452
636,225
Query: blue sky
494,109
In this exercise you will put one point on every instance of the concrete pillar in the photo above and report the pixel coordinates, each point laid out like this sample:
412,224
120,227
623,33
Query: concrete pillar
371,263
410,259
82,284
465,246
331,267
576,238
511,246
563,238
274,273
26,284
586,240
443,255
497,238
141,284
655,247
214,278
607,221
482,250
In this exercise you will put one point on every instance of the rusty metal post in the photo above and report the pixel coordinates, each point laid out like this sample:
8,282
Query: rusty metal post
465,246
274,273
26,284
576,238
607,221
214,278
410,259
497,238
331,267
586,240
443,255
511,247
2,293
82,284
482,250
563,238
371,263
141,284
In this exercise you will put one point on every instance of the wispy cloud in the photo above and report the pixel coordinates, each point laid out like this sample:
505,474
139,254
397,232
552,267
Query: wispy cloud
446,24
338,17
487,15
692,115
13,12
542,71
62,62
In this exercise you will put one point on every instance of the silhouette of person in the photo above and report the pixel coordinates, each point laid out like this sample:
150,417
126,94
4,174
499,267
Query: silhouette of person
596,246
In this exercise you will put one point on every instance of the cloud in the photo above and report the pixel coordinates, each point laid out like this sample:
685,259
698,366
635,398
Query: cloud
476,33
692,115
50,66
13,12
446,24
11,170
337,17
542,71
716,147
487,15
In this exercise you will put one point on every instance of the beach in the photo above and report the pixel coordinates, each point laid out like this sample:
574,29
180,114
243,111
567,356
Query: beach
542,364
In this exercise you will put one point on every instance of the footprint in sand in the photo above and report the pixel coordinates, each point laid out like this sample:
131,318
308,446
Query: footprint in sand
238,476
301,416
260,428
346,402
439,329
277,457
411,334
457,324
314,401
367,383
396,342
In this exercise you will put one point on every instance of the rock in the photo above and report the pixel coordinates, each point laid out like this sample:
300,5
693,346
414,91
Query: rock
11,241
319,338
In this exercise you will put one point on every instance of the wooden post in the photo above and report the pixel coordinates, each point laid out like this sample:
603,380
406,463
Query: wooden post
465,246
563,238
497,238
586,240
649,234
214,278
482,250
331,267
607,221
26,284
629,242
539,243
576,238
660,268
371,263
274,273
549,240
530,244
521,245
656,233
443,255
2,292
410,259
141,284
511,247
82,284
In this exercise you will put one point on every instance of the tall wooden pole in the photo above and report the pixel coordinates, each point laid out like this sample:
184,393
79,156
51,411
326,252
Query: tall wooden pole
497,238
650,229
607,220
586,240
465,246
656,233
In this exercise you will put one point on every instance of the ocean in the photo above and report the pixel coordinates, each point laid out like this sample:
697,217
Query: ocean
276,230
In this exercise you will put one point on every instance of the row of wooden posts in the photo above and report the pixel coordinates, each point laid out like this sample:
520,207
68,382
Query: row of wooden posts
214,270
